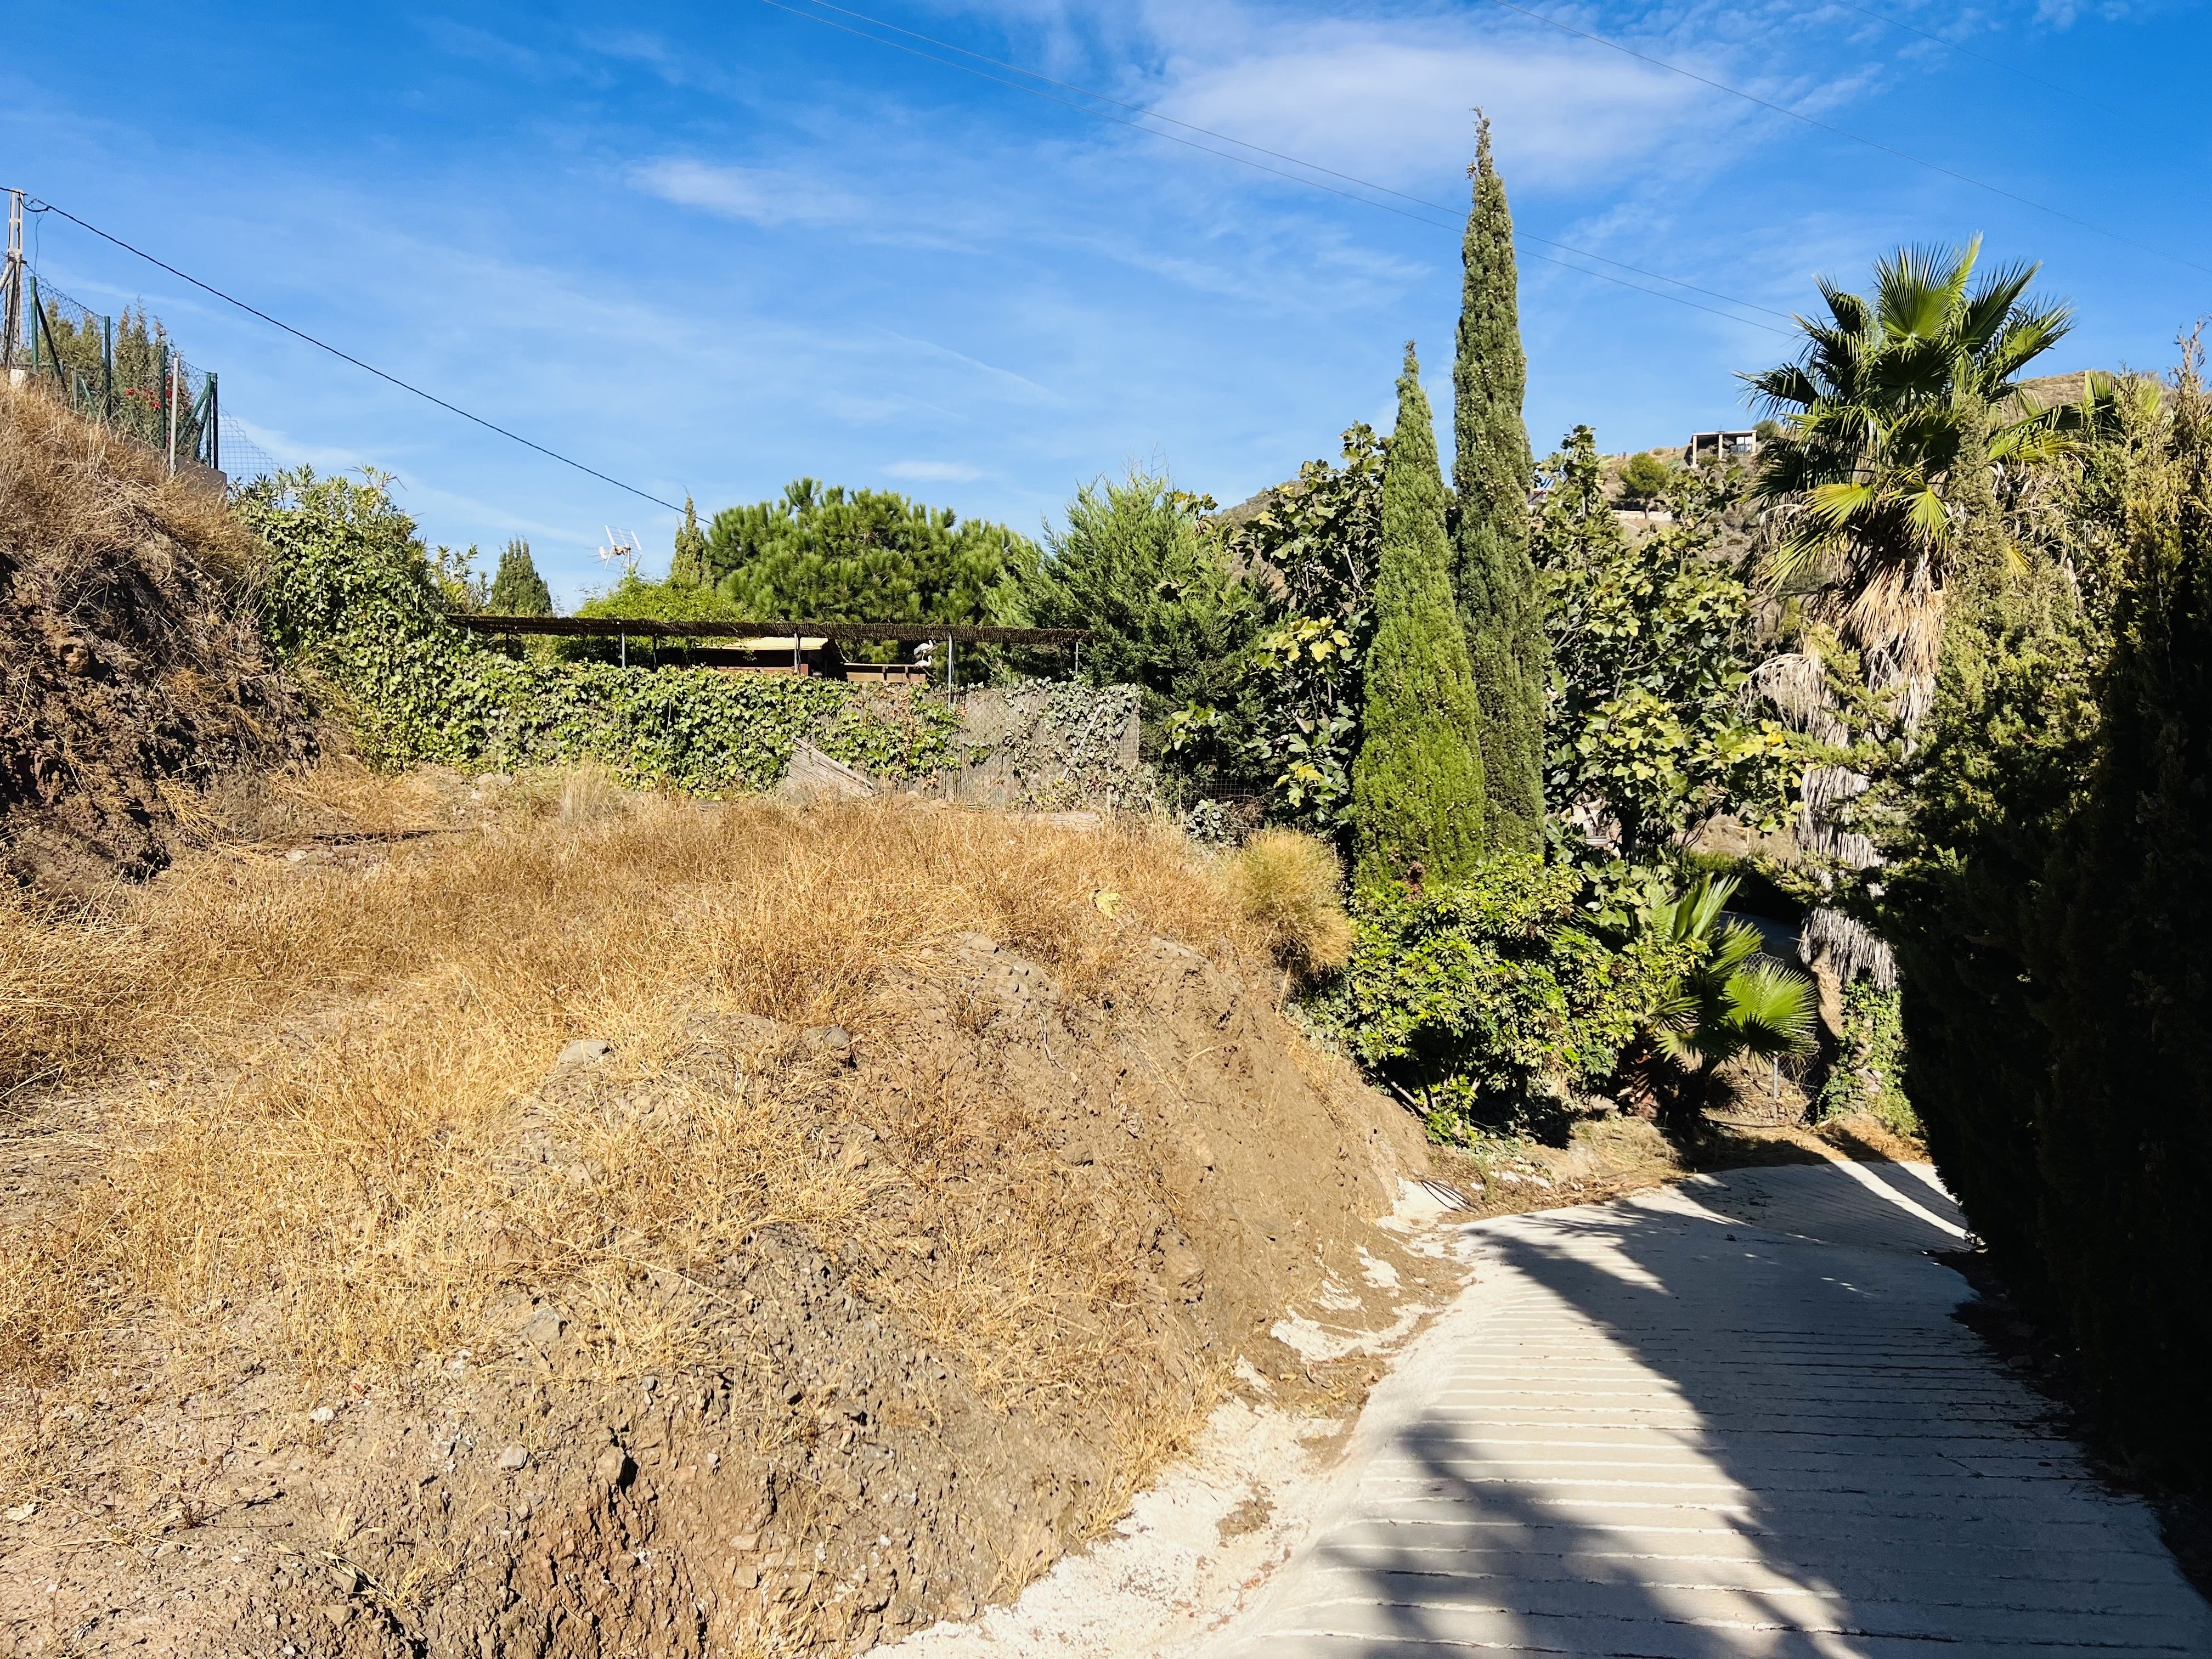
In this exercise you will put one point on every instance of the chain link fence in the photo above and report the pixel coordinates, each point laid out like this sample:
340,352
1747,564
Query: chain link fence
124,372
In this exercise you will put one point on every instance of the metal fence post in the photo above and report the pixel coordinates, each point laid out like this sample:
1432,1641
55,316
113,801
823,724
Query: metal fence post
174,366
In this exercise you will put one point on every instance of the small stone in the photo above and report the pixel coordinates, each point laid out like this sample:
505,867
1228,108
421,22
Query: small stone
544,1327
322,1414
648,1384
513,1458
745,1542
614,1466
20,1514
585,1051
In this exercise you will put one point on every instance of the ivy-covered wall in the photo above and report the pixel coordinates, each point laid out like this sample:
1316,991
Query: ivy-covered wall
348,596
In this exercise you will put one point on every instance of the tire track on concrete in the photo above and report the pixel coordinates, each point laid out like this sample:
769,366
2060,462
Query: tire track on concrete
1730,1419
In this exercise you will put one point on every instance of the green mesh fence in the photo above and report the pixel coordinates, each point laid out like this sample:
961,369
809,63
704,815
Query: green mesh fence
123,371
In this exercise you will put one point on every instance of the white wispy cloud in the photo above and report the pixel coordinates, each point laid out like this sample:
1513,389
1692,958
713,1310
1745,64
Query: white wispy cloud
1024,389
934,472
762,196
1387,105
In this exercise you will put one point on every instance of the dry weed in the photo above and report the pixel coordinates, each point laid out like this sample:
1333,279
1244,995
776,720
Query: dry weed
319,1080
1291,888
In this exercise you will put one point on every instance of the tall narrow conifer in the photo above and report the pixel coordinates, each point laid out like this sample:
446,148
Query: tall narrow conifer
1417,792
689,566
517,590
1494,577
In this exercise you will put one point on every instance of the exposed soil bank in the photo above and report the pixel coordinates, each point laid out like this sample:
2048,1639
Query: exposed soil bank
128,670
928,1293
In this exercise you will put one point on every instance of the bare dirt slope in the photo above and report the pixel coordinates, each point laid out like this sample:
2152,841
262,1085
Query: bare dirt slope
127,669
940,1172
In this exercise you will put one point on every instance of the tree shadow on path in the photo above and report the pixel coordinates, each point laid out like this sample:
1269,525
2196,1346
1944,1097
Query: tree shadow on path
1735,1418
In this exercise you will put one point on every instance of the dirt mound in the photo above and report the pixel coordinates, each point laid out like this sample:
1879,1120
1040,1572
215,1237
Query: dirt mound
947,1170
127,671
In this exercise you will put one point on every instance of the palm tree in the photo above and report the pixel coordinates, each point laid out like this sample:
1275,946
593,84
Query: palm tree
1726,1006
1889,400
1896,411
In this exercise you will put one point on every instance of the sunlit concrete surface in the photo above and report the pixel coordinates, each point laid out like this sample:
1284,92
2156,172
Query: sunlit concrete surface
1734,1418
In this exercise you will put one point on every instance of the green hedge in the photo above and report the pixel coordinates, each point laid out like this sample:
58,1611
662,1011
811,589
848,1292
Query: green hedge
346,591
2050,897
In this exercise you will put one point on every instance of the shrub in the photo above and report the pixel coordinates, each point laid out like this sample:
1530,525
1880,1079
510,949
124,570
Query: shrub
2126,1145
1868,1074
1166,610
1291,889
1491,990
1725,1002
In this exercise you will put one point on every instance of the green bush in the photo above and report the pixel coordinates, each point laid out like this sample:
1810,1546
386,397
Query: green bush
1869,1073
348,594
2126,1141
1167,613
1487,992
2049,893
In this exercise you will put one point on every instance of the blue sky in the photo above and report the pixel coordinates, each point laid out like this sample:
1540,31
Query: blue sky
711,249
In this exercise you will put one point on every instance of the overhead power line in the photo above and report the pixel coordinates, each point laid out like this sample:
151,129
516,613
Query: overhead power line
1148,115
36,205
1845,132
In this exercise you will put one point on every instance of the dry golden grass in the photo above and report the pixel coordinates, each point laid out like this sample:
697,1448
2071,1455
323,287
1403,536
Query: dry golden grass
315,1080
76,491
1291,888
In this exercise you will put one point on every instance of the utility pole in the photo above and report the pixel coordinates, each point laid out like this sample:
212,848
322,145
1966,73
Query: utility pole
11,284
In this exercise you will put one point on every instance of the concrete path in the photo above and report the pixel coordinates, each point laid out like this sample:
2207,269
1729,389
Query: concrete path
1734,1418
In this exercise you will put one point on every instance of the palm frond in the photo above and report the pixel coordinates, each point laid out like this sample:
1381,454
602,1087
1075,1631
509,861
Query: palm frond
1771,1010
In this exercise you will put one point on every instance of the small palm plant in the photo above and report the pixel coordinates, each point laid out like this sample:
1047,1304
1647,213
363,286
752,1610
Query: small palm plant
1728,1005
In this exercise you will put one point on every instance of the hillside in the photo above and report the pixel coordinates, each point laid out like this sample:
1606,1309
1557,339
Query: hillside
129,667
944,1168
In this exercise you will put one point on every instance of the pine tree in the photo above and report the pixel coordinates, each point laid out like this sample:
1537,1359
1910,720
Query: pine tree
517,590
1493,575
1416,793
690,567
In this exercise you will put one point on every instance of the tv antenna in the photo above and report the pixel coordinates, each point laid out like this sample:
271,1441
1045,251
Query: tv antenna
622,546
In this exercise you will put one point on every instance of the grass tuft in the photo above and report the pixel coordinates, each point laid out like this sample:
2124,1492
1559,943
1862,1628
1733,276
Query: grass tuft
1289,888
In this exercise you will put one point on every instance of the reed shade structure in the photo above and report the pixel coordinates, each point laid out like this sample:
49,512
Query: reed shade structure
624,628
643,627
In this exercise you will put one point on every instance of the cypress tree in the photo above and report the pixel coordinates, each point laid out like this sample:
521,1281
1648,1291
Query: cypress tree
1492,573
1417,790
690,567
517,590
